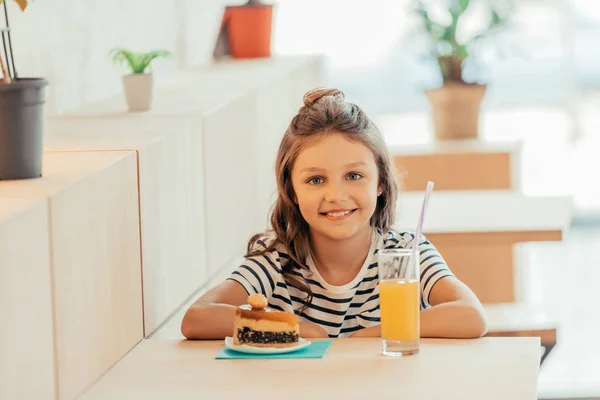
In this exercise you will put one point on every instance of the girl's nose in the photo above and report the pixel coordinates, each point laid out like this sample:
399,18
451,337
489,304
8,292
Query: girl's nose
335,193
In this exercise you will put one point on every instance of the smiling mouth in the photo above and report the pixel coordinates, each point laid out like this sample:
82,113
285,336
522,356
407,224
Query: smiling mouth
338,214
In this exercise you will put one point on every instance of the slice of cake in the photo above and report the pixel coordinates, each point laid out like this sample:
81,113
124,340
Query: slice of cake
257,325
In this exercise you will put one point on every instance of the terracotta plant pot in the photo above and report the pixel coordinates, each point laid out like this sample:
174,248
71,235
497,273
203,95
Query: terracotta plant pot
249,30
455,110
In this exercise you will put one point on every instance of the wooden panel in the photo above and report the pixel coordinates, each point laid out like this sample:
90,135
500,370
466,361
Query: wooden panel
173,224
94,225
437,372
26,338
462,164
97,270
170,168
547,336
456,171
484,261
493,238
230,178
487,270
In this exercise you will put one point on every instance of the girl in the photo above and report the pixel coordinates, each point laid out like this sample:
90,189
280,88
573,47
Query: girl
335,208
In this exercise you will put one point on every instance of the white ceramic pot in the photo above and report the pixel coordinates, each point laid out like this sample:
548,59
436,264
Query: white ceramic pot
138,91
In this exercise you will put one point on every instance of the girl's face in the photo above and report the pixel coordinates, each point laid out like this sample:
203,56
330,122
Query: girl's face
336,185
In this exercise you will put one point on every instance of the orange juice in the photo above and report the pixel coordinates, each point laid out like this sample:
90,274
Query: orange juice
399,305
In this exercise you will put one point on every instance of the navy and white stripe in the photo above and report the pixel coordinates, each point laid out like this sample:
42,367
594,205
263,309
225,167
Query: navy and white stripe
340,310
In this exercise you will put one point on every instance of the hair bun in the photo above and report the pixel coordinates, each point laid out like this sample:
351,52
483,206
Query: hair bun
312,96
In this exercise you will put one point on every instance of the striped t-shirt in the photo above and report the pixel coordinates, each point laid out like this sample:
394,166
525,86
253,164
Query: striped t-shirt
340,310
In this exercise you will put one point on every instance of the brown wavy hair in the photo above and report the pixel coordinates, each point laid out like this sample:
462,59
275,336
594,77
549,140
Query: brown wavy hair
325,111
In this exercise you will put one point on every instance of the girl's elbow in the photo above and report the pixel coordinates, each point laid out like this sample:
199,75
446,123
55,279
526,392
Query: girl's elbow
478,326
477,331
484,326
189,329
186,329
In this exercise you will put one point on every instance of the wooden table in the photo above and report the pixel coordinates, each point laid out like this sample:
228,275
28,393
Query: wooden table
488,368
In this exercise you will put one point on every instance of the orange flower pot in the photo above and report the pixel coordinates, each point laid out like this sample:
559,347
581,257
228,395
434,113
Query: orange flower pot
249,30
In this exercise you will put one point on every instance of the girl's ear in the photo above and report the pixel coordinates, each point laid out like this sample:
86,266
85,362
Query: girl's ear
379,191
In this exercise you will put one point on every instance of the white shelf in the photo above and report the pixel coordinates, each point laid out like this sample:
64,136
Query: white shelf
484,211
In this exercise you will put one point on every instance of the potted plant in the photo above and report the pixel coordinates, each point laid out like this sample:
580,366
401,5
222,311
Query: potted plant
22,102
138,84
245,31
455,105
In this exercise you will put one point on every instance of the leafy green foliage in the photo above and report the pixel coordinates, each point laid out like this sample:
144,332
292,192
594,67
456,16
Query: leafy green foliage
138,63
443,33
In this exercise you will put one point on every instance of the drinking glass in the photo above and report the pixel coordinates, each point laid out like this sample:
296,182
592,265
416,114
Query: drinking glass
399,297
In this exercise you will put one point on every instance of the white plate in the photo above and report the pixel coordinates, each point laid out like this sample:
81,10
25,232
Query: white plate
302,343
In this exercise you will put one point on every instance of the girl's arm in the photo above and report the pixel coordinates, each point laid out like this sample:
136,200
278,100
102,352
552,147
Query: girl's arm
455,313
212,315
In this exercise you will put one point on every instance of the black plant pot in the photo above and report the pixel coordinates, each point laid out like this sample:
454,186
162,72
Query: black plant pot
21,128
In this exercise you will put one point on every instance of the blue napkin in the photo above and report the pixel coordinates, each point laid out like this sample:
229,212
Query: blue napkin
315,350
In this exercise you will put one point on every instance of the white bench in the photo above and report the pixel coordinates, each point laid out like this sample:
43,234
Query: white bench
475,231
477,211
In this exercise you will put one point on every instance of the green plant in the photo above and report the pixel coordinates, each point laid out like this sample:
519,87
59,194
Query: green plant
138,63
443,31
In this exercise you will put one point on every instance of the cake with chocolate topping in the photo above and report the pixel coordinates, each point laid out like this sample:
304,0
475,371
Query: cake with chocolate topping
257,325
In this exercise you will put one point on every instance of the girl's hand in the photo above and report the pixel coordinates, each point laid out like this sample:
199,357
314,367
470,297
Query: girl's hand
371,332
310,330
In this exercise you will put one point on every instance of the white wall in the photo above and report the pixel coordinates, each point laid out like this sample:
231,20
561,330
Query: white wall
67,41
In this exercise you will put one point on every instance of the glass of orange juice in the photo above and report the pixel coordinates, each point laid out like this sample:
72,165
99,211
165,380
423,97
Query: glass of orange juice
399,297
